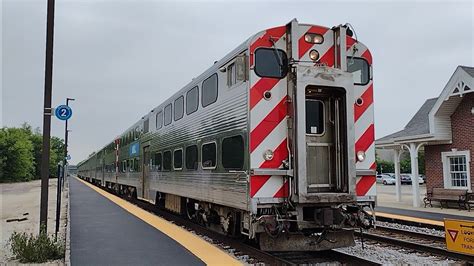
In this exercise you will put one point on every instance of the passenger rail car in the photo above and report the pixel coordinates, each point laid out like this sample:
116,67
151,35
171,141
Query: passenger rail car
275,142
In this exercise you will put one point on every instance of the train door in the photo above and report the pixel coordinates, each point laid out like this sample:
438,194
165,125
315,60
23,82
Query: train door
325,138
145,177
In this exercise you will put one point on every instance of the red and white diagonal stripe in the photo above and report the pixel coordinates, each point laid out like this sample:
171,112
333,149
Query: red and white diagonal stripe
364,123
268,125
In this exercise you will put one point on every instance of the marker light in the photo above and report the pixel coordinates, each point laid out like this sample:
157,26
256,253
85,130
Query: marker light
314,38
360,156
268,155
314,55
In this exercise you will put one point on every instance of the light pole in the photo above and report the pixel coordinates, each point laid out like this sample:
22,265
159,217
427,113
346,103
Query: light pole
48,89
66,134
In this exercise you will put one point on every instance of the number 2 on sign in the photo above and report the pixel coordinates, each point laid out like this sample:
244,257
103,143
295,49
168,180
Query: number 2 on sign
63,112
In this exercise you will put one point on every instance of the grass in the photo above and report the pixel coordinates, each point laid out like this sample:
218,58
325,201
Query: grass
35,248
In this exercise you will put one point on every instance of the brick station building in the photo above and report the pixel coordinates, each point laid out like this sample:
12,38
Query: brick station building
444,128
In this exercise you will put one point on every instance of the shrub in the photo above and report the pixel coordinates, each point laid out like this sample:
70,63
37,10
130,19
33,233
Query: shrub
35,249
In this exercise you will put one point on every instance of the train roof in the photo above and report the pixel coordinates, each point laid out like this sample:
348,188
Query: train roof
197,80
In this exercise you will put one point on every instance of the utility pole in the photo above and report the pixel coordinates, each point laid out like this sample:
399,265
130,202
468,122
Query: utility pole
48,88
66,134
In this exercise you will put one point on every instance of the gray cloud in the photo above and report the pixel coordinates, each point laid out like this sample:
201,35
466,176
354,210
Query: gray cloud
120,59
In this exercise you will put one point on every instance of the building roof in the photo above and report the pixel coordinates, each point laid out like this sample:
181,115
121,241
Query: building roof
432,122
418,125
469,70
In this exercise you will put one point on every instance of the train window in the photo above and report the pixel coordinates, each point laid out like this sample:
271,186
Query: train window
192,100
209,90
314,117
124,166
130,163
178,159
208,155
233,153
137,165
192,157
146,125
157,161
178,108
167,160
231,75
359,67
159,120
271,63
168,114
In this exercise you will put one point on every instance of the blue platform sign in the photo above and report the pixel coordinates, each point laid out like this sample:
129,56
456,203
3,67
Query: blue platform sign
134,149
63,112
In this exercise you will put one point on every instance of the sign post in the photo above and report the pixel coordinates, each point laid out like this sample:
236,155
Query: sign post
459,236
62,112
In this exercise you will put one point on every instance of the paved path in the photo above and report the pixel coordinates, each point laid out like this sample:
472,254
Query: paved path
103,233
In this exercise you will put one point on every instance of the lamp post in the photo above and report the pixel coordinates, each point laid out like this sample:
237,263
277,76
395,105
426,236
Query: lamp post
66,134
48,88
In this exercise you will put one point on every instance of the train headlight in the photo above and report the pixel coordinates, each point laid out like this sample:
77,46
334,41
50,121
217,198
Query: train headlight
313,38
314,55
268,155
360,156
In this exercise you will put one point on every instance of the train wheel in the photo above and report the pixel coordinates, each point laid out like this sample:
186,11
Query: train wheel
191,212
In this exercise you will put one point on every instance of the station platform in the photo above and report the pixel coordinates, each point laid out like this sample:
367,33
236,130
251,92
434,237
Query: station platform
107,230
389,207
423,217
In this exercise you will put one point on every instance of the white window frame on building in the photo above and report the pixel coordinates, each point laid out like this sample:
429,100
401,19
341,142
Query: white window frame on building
447,168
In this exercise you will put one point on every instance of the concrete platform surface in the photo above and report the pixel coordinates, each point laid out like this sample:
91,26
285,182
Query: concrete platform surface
103,233
387,203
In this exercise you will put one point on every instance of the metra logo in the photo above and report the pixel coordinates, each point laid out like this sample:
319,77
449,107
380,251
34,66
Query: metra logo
134,148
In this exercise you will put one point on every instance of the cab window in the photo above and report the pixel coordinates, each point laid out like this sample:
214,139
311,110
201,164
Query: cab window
360,70
271,63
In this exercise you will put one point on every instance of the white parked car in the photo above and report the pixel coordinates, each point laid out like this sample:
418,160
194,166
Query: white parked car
386,179
390,179
380,177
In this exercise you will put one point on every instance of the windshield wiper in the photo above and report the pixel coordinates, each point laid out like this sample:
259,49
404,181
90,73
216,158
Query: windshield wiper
275,50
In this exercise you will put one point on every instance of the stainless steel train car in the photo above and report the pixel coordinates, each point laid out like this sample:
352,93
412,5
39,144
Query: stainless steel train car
273,142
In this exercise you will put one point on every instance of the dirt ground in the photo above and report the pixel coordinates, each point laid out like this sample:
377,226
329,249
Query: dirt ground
22,200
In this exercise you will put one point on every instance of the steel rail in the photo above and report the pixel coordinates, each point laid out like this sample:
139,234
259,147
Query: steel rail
415,246
411,233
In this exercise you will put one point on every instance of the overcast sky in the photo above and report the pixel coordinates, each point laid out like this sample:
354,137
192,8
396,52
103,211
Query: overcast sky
120,59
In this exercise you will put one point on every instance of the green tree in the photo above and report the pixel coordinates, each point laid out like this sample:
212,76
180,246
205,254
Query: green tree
21,151
16,155
405,165
56,155
385,166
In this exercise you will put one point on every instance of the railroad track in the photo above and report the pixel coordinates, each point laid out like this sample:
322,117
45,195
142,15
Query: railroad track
418,242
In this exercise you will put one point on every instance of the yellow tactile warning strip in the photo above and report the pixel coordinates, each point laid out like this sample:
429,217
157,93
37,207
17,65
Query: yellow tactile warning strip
205,251
409,218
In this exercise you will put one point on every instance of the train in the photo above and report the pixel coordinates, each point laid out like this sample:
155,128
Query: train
273,143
